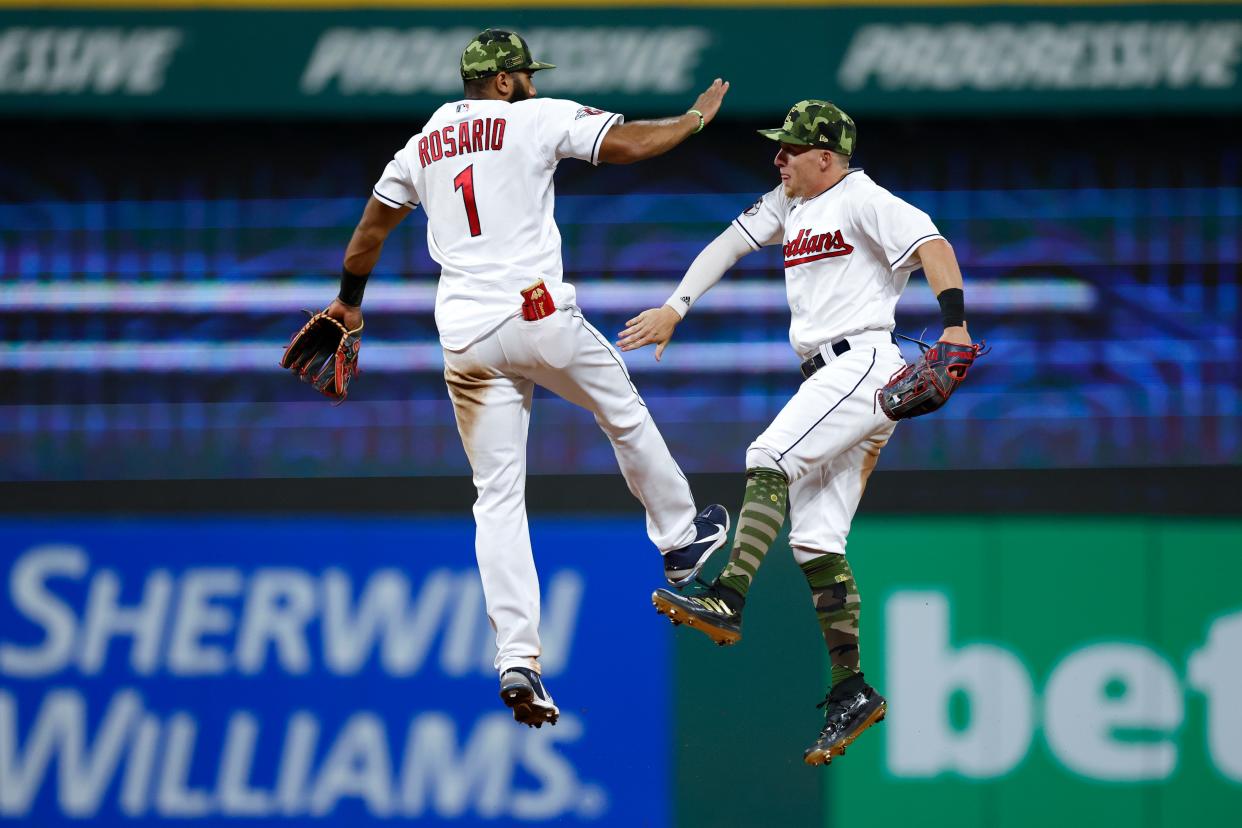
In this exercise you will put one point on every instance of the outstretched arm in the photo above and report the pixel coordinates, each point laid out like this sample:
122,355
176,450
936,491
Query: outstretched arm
943,274
363,252
639,140
656,325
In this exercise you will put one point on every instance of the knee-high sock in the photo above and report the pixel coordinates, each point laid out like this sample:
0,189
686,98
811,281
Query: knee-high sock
758,524
838,607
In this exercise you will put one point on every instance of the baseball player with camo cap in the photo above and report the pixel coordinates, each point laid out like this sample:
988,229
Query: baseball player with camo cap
849,248
482,167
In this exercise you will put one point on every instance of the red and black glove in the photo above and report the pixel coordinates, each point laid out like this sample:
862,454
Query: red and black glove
325,354
926,385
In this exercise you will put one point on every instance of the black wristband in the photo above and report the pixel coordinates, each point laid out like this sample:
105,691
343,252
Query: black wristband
952,307
352,288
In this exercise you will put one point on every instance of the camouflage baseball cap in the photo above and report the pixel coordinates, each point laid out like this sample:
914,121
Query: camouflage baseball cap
819,124
497,50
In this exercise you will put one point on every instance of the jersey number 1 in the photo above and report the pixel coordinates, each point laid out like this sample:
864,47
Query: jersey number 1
465,182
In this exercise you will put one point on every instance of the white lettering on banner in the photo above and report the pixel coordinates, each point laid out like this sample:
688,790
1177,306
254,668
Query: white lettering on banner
440,771
560,786
657,60
136,787
211,621
382,611
385,60
295,762
1096,699
1043,56
70,61
1215,672
29,593
199,615
227,620
59,731
632,60
1082,716
174,796
279,605
357,766
237,797
925,670
441,779
106,619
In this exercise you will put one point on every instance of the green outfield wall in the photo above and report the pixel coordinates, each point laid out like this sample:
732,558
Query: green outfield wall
1072,671
398,62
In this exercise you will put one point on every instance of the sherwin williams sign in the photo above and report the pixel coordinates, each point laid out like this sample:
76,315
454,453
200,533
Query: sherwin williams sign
1038,59
1080,671
317,672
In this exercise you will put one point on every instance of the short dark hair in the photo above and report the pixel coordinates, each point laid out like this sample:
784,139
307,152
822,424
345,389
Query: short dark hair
476,87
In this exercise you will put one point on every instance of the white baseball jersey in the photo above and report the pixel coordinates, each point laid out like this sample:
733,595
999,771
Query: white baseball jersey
482,169
849,252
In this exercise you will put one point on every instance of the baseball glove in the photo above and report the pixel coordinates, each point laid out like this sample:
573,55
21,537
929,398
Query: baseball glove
926,385
324,354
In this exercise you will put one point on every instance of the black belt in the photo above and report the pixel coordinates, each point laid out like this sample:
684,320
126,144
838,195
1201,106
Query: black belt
839,347
816,362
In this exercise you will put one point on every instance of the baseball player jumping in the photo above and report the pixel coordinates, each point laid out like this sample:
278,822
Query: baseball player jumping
849,249
482,168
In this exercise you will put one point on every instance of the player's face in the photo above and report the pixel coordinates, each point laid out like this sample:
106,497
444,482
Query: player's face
523,86
799,168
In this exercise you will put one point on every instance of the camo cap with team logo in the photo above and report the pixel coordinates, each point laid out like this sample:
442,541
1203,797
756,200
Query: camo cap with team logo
498,50
819,124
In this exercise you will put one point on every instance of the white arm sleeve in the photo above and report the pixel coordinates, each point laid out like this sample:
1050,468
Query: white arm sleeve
723,253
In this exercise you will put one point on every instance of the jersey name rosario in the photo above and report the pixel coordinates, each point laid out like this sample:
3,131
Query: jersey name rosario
475,135
483,171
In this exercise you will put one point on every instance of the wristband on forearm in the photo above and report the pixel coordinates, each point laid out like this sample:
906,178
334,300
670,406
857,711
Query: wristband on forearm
952,307
700,114
352,288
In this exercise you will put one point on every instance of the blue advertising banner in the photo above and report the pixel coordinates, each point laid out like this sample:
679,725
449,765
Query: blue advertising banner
208,670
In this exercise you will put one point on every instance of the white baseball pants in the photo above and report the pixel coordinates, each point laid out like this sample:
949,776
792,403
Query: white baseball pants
827,440
491,384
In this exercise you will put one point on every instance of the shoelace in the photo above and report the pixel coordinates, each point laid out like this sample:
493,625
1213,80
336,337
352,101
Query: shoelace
834,718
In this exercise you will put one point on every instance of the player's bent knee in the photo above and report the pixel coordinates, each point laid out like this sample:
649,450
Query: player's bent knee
758,457
804,555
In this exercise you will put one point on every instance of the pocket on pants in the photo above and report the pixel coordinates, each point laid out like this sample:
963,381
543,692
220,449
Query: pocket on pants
550,338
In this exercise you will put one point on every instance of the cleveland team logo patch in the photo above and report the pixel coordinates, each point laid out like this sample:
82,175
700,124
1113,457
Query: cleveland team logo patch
808,246
587,110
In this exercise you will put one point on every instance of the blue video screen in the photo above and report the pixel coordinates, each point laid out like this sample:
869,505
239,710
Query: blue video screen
143,322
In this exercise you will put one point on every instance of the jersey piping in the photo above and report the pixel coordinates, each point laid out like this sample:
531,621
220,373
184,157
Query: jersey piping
390,201
746,233
910,249
599,139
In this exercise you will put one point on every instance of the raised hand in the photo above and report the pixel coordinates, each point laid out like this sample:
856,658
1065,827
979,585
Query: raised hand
709,102
653,326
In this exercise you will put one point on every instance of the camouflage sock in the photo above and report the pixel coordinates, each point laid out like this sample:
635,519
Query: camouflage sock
758,524
837,607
